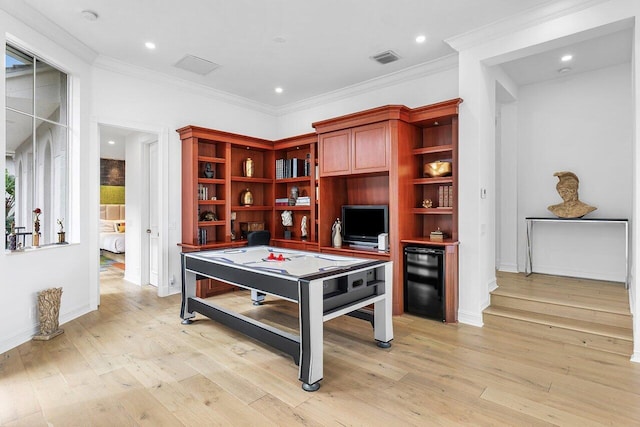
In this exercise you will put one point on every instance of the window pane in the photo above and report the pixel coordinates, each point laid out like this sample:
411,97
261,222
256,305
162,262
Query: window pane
51,93
19,80
51,178
19,163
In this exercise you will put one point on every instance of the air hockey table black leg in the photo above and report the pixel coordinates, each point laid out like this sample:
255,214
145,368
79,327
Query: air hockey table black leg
383,344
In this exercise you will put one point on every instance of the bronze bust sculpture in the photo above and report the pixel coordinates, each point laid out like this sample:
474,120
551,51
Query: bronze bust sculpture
571,207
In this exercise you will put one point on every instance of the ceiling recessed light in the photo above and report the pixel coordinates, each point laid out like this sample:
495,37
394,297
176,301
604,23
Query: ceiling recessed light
150,45
279,39
566,58
279,90
421,39
564,70
89,15
111,142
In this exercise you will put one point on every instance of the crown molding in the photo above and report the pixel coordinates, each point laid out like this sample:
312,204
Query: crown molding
34,19
442,64
511,24
120,67
445,63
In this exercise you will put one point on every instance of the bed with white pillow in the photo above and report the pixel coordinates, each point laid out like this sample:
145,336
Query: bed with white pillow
112,228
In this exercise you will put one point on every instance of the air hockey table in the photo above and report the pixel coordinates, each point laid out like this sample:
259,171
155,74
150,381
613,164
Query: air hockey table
324,286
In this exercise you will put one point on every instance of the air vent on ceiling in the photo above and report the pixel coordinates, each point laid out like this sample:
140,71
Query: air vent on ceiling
386,57
196,65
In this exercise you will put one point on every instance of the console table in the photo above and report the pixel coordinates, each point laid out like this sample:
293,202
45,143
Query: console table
530,221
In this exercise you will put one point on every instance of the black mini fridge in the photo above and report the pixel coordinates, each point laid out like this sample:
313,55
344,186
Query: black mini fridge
424,281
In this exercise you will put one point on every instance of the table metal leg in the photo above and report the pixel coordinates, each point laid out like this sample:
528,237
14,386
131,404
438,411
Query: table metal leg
311,334
383,310
257,297
188,291
528,263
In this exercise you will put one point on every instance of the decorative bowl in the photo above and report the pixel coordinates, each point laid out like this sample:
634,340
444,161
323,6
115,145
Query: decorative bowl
437,169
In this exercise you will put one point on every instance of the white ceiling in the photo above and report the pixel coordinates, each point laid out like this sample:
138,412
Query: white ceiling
307,47
119,138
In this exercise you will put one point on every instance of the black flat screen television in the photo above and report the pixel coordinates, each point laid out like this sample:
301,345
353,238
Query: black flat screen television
361,224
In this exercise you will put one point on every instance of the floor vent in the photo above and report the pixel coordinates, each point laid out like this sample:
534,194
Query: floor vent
386,57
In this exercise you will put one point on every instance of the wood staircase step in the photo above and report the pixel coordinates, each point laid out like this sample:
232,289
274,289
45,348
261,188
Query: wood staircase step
582,333
546,305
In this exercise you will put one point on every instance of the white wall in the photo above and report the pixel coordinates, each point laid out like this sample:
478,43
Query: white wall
429,84
73,267
152,103
490,46
507,191
583,124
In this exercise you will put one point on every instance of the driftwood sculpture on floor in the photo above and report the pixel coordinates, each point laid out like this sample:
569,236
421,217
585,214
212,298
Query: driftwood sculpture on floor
48,312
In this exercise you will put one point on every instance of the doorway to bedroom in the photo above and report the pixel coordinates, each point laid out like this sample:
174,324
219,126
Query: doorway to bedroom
127,159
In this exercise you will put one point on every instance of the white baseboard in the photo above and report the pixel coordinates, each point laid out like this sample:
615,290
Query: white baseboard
27,334
472,319
508,268
594,275
635,357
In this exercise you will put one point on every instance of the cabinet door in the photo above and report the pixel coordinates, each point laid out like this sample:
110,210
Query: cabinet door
334,150
370,148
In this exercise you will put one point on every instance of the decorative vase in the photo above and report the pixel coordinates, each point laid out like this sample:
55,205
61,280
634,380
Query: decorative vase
248,167
246,198
35,239
61,236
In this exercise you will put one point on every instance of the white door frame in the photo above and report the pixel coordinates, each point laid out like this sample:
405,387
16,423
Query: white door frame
162,138
146,170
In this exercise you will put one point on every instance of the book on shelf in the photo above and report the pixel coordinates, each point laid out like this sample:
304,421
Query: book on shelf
445,196
307,165
283,201
203,192
202,236
290,168
303,201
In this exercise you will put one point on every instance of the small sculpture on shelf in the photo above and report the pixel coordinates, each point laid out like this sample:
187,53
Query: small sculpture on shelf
35,242
61,233
303,228
287,221
13,245
567,188
208,216
427,203
246,198
209,172
336,234
293,195
248,167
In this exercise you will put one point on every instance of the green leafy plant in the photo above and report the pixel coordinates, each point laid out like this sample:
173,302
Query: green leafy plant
9,198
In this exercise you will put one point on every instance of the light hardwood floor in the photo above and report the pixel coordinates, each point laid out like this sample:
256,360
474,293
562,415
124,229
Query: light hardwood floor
133,363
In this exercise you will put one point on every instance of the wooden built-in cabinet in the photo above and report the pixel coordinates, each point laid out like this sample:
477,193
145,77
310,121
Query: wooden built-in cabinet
363,149
214,178
377,157
374,157
301,150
